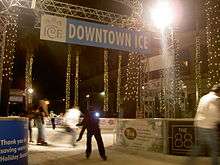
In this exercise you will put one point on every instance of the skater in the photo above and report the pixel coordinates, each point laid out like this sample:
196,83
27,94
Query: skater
40,114
71,119
91,123
31,116
52,118
206,121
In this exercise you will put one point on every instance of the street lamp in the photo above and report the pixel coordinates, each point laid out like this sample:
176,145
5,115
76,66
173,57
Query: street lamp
102,93
30,91
29,98
162,14
87,102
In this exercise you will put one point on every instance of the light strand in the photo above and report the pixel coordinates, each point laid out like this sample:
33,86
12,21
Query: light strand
106,80
68,74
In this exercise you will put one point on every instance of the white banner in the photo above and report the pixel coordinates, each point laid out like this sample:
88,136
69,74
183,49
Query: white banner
53,28
140,135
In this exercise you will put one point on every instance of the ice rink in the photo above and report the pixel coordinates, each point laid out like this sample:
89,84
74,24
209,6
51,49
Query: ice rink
60,152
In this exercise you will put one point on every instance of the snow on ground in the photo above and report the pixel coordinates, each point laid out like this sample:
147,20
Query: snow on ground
59,145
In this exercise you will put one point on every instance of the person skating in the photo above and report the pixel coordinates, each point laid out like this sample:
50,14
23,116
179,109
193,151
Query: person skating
206,121
31,116
70,119
40,114
52,118
91,123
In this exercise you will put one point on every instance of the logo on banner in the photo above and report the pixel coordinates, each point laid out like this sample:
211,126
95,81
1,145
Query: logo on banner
53,28
130,133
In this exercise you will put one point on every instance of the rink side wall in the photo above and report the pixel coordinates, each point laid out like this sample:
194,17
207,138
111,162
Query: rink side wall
169,136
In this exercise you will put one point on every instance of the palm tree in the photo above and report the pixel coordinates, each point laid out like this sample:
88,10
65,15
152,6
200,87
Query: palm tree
29,42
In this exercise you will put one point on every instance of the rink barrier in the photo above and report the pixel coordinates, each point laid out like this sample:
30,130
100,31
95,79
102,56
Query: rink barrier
105,123
13,141
169,136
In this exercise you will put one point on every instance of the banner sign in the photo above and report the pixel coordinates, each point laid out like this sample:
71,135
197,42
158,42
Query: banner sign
79,32
140,135
181,137
13,141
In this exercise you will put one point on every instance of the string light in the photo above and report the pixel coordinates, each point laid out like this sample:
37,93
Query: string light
171,80
76,91
119,84
198,76
68,76
213,41
106,80
131,86
11,36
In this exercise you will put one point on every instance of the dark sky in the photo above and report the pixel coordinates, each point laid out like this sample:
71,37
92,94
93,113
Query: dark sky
49,70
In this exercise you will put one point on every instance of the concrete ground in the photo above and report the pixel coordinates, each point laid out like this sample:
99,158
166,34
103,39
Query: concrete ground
60,152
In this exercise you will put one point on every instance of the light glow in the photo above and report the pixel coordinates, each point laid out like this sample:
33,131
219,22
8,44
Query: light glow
97,114
162,14
102,93
30,90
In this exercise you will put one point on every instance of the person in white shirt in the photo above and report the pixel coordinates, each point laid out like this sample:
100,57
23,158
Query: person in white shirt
52,118
206,121
71,119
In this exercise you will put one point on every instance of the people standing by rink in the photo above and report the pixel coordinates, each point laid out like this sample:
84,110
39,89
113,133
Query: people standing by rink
40,115
206,122
31,117
91,124
70,120
52,119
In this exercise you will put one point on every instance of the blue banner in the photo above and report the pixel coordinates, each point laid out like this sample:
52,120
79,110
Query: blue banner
93,34
13,142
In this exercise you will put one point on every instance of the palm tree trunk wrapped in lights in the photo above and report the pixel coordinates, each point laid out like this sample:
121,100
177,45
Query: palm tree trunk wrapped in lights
28,77
76,86
119,85
106,80
198,76
68,77
29,42
212,10
3,30
8,40
198,60
131,86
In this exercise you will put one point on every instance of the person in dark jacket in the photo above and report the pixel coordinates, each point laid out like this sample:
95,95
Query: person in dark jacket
40,114
31,116
91,123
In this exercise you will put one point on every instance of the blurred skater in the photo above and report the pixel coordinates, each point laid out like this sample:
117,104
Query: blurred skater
206,120
71,119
